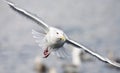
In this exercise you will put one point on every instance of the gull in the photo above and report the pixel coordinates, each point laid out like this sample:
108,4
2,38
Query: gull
54,38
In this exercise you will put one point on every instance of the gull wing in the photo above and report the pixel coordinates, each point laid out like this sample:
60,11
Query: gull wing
29,15
106,60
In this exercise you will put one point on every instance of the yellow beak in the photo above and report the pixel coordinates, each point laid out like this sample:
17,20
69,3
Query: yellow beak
63,38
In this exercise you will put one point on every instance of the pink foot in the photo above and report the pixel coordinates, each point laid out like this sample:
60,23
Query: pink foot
46,53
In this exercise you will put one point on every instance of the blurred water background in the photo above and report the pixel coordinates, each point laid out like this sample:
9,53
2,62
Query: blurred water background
94,23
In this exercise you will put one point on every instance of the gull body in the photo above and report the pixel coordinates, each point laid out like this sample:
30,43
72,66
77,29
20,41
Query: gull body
54,39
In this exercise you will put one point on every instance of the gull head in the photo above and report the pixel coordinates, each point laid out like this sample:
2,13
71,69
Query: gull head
56,37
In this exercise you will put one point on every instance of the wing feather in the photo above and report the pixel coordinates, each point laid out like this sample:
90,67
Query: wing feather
39,38
93,53
29,15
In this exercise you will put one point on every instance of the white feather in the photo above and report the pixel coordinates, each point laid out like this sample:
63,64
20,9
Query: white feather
106,60
29,15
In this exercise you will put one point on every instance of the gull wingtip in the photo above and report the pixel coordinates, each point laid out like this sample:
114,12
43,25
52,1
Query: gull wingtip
9,2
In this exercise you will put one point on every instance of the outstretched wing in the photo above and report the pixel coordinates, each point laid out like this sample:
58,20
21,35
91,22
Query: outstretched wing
29,15
62,53
92,53
39,38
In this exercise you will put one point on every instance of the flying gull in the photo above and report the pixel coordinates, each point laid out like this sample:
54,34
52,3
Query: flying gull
54,38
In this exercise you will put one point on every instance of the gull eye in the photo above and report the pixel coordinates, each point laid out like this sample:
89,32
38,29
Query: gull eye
57,33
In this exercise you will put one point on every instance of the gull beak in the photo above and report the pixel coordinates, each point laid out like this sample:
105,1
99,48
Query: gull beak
63,38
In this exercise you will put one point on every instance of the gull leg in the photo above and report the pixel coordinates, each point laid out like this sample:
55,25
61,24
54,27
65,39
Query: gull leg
46,53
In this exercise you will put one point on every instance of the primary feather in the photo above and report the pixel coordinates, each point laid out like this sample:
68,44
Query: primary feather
106,60
29,15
